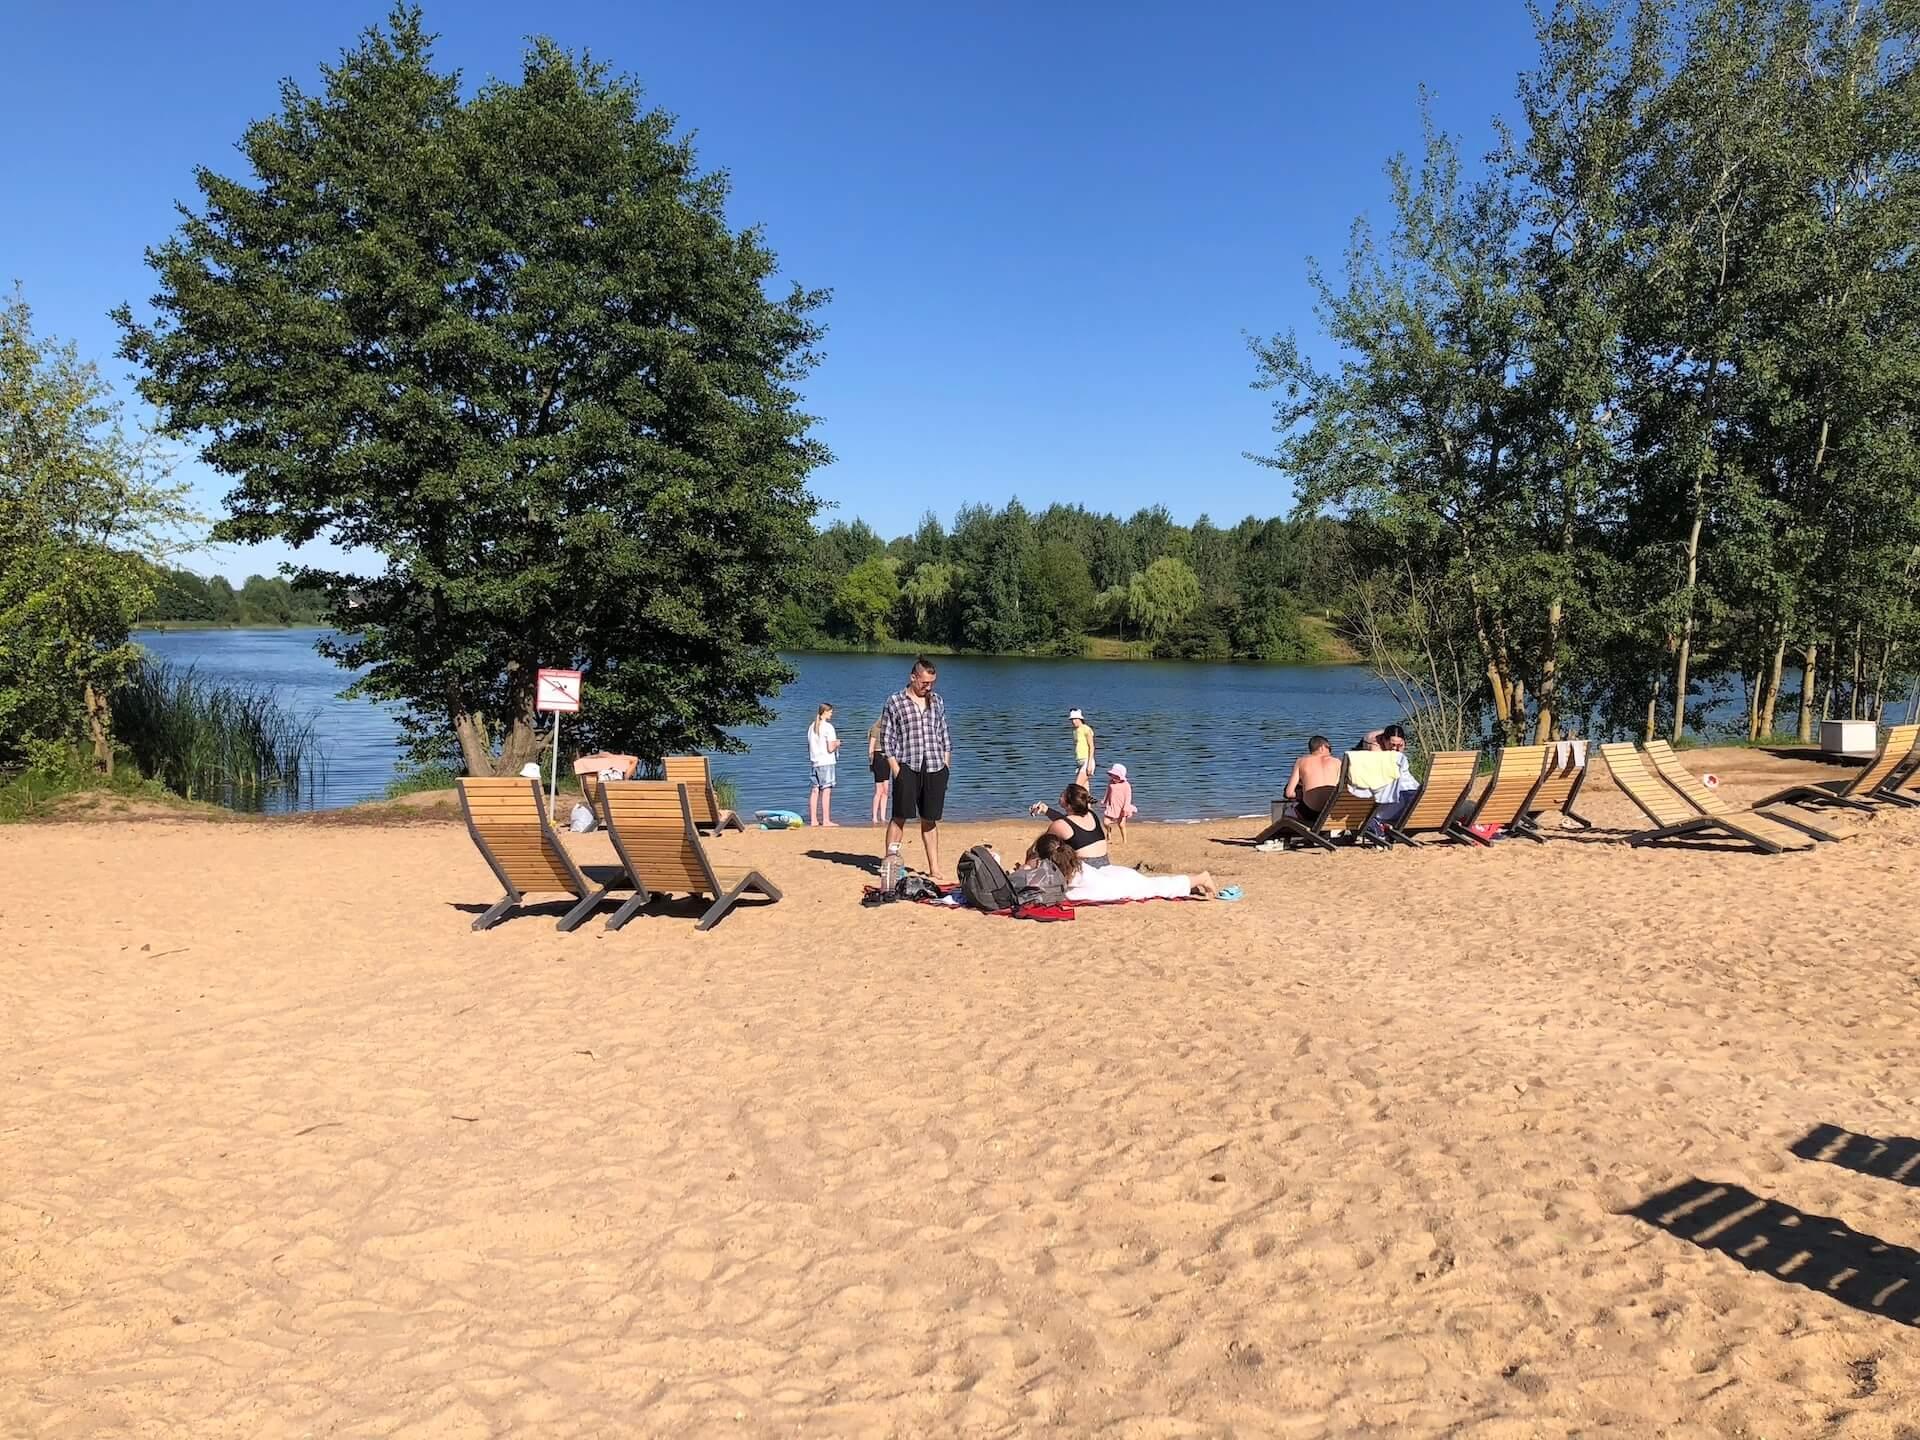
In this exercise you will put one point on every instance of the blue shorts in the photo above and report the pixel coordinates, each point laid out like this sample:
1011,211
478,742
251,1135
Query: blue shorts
823,776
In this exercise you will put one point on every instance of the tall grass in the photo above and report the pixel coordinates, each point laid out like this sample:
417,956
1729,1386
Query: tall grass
234,745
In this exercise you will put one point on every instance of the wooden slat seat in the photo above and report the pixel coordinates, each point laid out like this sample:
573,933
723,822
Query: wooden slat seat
1674,816
1518,773
1443,795
696,774
1877,783
1666,764
652,826
1559,790
507,818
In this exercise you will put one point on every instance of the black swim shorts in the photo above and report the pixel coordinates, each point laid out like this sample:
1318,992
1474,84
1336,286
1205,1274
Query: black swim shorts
920,795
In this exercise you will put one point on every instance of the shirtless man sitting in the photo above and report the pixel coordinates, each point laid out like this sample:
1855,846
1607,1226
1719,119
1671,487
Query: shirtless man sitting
1315,776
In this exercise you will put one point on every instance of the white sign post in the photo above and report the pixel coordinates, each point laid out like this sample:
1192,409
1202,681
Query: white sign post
558,692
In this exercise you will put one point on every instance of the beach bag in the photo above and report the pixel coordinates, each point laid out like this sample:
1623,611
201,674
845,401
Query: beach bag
983,883
1038,884
582,820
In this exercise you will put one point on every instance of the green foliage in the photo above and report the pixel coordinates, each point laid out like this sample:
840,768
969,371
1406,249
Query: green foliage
864,600
84,510
1011,581
180,596
1162,597
1638,398
232,744
510,344
1061,587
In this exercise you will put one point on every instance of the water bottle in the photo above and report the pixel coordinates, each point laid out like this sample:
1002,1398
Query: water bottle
891,870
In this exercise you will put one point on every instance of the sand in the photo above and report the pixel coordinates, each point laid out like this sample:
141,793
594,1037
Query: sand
289,1151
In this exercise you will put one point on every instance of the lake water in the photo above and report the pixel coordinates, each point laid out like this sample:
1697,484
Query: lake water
1199,740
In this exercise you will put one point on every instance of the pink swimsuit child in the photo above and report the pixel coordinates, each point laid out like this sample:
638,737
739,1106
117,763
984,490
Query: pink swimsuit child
1117,805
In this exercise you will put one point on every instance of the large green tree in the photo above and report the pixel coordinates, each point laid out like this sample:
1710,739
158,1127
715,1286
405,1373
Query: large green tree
85,510
510,344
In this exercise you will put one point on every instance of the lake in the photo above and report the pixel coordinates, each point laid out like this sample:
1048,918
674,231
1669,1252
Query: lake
1199,740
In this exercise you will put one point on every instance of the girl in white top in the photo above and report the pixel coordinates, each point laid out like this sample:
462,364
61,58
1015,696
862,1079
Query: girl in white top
822,743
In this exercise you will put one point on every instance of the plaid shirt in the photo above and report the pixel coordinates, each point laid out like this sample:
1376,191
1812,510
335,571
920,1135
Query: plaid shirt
917,738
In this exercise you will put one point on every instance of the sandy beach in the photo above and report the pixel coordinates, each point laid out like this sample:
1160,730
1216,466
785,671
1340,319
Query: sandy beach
1554,1140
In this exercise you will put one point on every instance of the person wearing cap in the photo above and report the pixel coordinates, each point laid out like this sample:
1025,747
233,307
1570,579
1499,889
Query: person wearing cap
1082,749
1116,806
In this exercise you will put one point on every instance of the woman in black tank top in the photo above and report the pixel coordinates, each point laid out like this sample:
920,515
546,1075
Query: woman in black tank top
1079,824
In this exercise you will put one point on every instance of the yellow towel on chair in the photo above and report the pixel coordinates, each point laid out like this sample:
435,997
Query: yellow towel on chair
1372,769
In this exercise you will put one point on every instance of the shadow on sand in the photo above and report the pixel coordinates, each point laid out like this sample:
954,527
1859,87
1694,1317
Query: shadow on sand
1768,1237
868,863
1895,1158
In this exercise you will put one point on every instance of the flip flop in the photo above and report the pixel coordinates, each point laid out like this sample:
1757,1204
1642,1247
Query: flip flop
1231,892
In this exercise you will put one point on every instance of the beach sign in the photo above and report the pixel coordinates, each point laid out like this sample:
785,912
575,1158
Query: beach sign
556,690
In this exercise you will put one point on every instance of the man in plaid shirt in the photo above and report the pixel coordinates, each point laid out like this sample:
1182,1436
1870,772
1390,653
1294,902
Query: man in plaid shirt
919,749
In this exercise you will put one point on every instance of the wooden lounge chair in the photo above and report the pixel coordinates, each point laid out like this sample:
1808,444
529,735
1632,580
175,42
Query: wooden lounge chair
1673,816
1667,766
1879,781
1518,773
1443,795
1559,790
1343,811
693,772
651,824
507,818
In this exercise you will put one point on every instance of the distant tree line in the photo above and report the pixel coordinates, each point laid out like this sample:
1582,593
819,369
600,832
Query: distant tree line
181,595
1637,400
1011,581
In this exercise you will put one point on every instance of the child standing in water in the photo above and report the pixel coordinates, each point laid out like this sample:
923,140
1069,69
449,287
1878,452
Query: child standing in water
822,743
1116,806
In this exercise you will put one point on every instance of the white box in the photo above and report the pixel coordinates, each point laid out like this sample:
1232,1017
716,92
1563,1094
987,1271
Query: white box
1849,737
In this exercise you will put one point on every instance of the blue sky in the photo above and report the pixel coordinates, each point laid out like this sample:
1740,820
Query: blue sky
1045,226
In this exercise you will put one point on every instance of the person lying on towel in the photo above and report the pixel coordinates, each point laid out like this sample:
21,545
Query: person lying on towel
1116,882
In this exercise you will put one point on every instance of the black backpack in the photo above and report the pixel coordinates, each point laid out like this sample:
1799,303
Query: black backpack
982,882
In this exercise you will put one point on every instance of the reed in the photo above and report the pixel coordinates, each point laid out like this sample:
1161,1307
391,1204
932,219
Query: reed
234,745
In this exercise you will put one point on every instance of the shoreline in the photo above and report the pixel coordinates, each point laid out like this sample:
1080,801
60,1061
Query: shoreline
940,652
1738,764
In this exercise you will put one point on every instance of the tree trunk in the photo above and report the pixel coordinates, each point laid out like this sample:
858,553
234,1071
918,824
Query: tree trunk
522,742
1549,676
1809,672
1653,713
476,746
1686,629
1882,681
99,728
1853,684
1772,702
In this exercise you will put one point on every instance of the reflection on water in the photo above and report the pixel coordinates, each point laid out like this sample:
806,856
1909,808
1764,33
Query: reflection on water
1198,740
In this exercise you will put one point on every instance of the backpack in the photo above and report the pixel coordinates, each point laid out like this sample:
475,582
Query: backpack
982,882
1039,884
